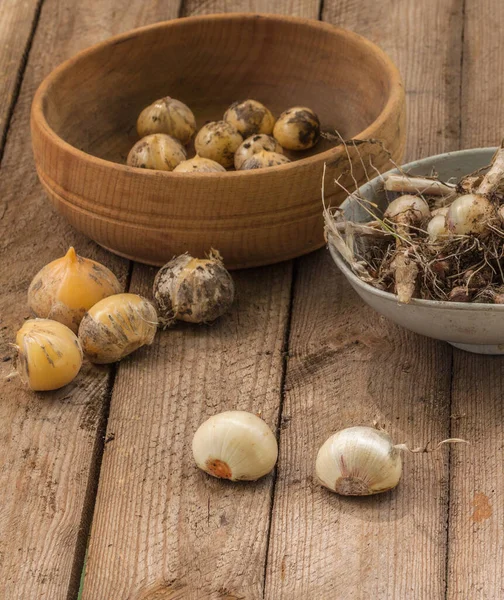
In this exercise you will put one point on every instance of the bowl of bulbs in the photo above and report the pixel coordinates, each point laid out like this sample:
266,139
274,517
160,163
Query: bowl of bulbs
448,283
213,132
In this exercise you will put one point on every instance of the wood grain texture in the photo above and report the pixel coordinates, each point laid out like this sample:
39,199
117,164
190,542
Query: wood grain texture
49,442
349,366
424,40
254,217
162,528
476,557
173,532
17,21
300,8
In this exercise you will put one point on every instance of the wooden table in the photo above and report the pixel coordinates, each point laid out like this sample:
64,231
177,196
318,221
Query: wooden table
107,460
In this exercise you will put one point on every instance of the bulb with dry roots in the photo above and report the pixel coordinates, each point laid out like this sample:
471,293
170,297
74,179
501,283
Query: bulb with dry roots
250,117
49,354
67,287
407,209
297,128
218,141
470,214
116,327
263,159
235,445
436,228
169,116
254,144
199,165
193,290
157,151
359,461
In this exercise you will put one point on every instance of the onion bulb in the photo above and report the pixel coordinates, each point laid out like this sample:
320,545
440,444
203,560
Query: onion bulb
235,445
253,145
67,287
116,326
197,164
469,214
359,461
218,141
263,159
169,116
157,151
49,354
436,228
193,290
297,128
411,209
250,117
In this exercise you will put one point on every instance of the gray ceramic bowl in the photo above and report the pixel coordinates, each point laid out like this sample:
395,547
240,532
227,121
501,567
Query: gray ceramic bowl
472,327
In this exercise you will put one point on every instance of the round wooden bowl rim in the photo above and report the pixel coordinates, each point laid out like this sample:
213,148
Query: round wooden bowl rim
394,100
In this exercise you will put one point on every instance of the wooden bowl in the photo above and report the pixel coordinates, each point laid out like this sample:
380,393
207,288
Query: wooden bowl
83,125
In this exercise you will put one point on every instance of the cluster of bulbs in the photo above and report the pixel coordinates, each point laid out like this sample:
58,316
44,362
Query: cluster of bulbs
81,312
356,461
248,137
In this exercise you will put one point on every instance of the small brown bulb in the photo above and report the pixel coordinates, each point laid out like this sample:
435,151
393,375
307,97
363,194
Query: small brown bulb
116,326
254,144
169,116
264,159
199,165
193,290
218,141
297,128
157,151
67,287
250,117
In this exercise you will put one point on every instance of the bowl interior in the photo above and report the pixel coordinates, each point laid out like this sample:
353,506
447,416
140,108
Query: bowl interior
94,100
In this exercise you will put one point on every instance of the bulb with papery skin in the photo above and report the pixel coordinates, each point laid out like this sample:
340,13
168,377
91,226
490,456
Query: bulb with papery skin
170,116
116,327
67,287
235,445
192,289
49,355
359,461
470,214
250,117
297,128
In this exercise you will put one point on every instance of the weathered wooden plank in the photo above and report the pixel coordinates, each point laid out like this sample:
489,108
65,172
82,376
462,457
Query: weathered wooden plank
300,8
348,366
49,444
476,555
161,528
17,24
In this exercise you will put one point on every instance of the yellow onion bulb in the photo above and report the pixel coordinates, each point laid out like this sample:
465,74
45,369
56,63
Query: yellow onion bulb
297,128
49,354
67,287
197,164
169,116
263,160
250,117
117,326
218,141
157,151
254,144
